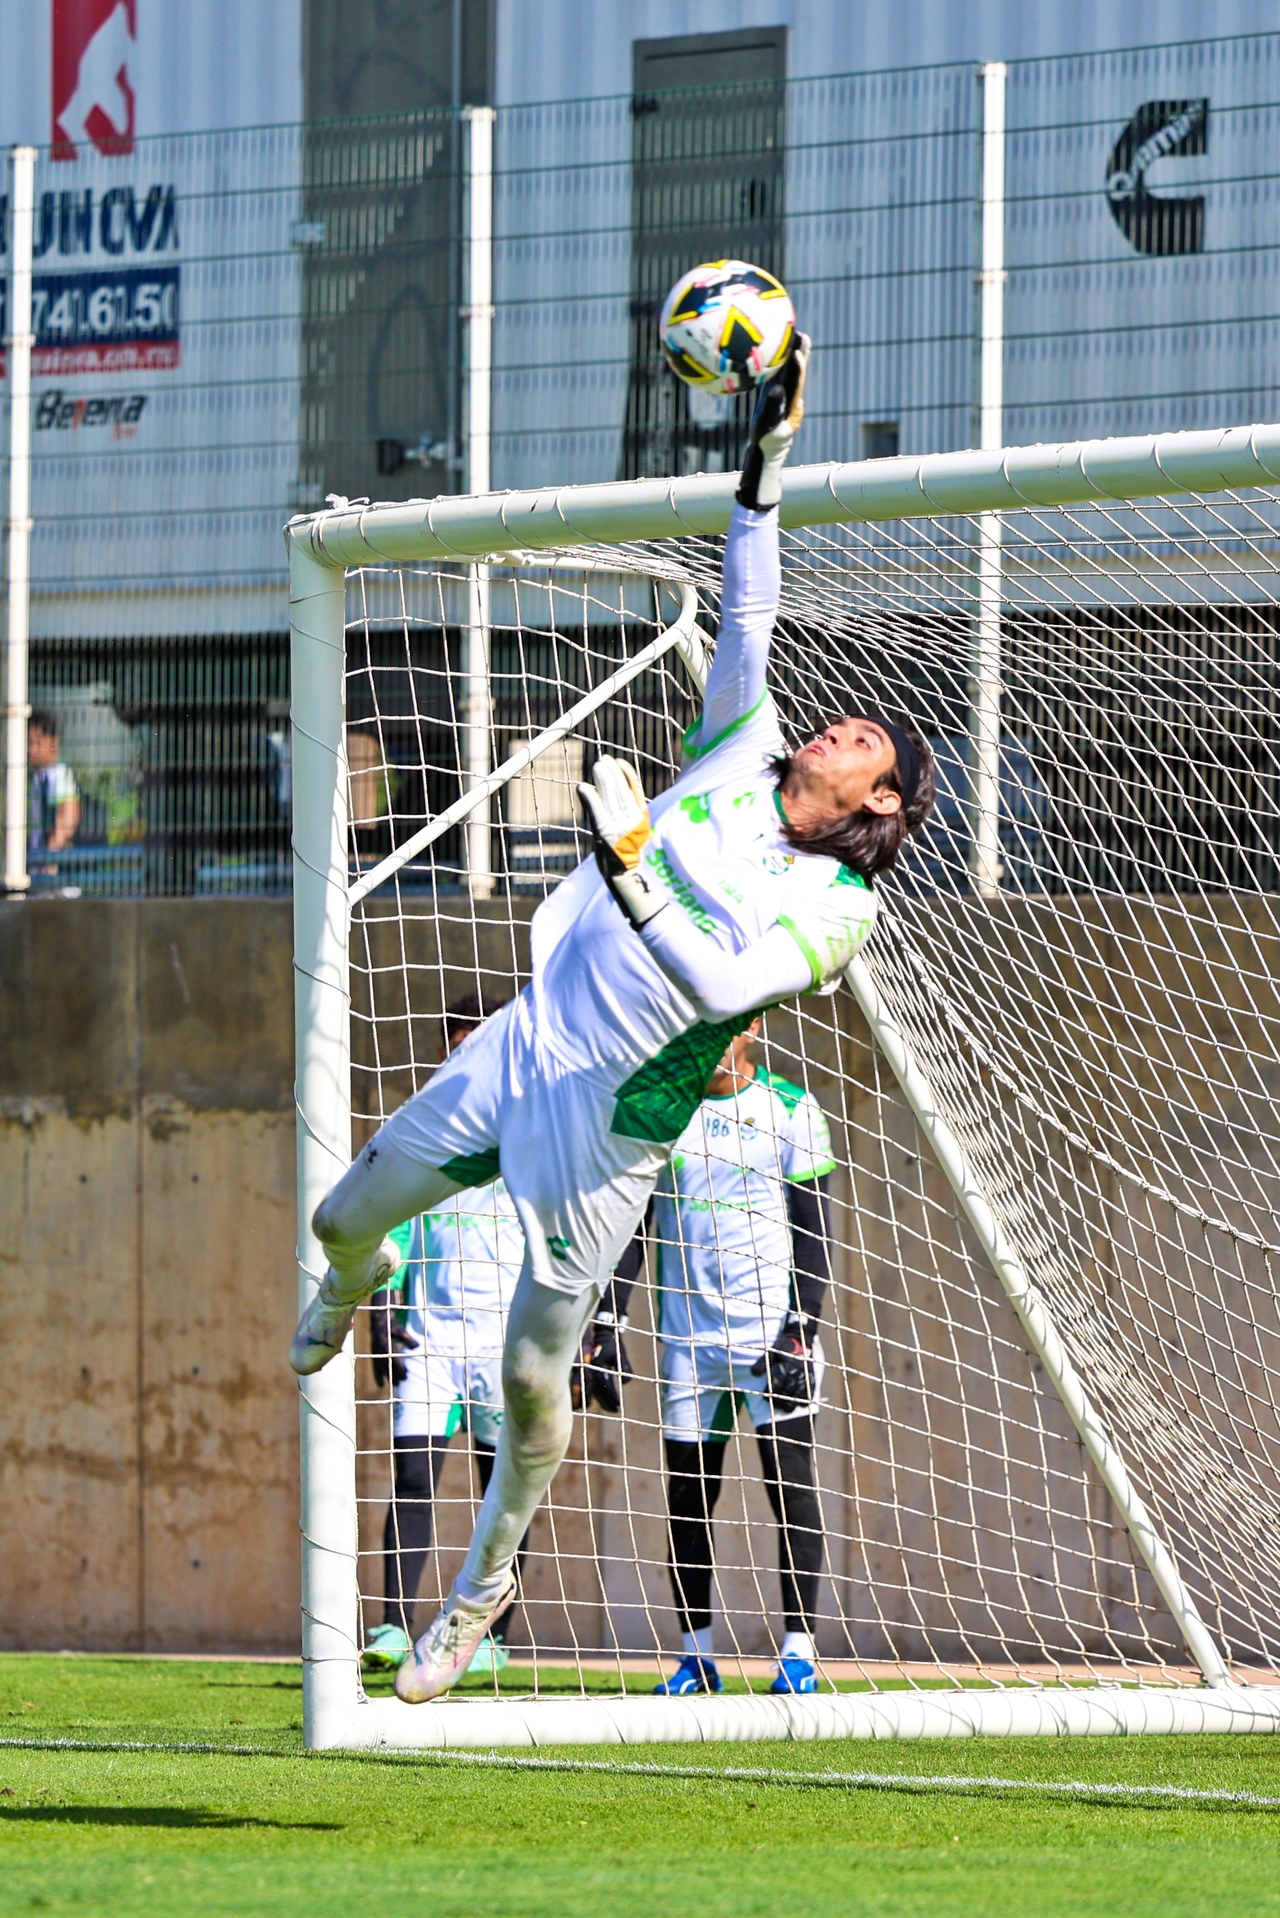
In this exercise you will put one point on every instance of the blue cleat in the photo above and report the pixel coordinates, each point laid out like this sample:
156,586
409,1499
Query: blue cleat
693,1674
795,1675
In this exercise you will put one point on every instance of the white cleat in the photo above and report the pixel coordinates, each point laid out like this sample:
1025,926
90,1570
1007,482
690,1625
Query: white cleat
323,1327
447,1647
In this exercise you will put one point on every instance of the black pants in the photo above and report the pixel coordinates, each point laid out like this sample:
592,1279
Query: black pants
694,1474
406,1537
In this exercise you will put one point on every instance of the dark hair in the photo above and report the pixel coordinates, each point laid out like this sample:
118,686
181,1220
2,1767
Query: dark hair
43,721
468,1012
867,842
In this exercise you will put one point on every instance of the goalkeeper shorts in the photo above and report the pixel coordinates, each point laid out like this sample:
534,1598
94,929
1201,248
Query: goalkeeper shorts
502,1102
445,1392
704,1387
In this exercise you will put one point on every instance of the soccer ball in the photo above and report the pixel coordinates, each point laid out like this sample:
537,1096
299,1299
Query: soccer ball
725,326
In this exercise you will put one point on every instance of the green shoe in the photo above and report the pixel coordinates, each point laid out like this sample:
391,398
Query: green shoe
490,1656
386,1648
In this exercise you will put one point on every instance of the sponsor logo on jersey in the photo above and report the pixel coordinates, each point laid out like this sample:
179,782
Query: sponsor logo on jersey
94,44
680,890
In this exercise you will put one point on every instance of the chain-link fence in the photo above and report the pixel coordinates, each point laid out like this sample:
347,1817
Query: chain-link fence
231,327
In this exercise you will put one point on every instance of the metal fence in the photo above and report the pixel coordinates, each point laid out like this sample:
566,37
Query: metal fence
231,327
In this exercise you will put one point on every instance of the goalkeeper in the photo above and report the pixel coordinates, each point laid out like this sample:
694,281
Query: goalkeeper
750,881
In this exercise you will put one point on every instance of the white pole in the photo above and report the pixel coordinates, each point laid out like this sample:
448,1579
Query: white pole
22,162
986,859
478,313
1037,1323
321,919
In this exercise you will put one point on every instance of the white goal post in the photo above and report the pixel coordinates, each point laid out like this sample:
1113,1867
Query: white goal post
1089,1050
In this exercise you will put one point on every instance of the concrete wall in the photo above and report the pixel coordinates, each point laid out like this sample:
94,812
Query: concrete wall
148,1458
148,1432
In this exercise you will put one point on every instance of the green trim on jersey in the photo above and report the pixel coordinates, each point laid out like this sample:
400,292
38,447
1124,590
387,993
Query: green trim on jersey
819,1172
658,1101
693,748
473,1168
810,954
790,1094
845,876
455,1418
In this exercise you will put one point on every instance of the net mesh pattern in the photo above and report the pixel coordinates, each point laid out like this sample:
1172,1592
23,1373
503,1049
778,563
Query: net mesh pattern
1100,1033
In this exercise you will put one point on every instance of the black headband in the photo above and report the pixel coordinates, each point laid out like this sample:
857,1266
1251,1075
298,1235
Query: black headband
908,757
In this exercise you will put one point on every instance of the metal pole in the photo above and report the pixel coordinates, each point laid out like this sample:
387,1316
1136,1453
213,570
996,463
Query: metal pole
22,162
985,722
1037,1323
478,314
322,1004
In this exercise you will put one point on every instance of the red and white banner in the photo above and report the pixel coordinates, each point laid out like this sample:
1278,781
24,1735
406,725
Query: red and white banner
94,102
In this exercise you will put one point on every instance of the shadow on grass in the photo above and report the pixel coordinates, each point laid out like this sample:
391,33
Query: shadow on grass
173,1817
253,1684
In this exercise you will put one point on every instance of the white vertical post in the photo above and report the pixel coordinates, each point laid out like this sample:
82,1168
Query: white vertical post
22,168
478,313
986,860
322,1005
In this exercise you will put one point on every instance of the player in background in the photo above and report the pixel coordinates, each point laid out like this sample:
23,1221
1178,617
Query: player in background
748,881
740,1224
439,1338
53,801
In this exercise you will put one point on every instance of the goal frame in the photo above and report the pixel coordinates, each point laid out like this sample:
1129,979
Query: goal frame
504,529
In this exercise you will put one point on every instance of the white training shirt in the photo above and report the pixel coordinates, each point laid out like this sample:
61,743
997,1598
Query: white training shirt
461,1266
601,1002
720,1214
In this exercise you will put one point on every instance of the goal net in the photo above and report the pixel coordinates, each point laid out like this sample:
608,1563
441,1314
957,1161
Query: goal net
1048,1454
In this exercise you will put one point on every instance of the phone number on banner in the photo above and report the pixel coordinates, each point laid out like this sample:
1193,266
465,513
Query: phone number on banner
103,322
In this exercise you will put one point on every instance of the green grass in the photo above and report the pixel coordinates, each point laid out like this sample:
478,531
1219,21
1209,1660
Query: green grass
254,1825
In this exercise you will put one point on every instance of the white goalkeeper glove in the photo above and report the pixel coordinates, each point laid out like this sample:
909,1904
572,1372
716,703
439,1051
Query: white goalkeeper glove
618,816
774,425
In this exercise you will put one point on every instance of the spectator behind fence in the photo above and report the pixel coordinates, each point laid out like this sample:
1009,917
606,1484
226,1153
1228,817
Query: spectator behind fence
53,809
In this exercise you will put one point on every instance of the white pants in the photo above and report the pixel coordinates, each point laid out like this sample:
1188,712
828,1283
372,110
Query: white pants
445,1392
704,1387
502,1102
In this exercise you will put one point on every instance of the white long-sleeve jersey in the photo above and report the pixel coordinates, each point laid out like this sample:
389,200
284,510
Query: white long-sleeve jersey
779,921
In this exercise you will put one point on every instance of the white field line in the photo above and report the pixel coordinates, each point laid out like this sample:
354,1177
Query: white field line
944,1784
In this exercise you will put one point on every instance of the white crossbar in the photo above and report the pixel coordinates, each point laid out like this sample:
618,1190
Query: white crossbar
977,481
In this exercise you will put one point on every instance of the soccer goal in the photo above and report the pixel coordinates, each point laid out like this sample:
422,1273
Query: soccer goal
1049,1444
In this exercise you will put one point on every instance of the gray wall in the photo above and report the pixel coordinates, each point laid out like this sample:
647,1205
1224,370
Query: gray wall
148,1475
148,1471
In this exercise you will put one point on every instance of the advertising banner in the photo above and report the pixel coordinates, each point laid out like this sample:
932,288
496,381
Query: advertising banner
165,309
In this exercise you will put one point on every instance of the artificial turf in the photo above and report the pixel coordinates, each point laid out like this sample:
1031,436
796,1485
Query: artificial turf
255,1825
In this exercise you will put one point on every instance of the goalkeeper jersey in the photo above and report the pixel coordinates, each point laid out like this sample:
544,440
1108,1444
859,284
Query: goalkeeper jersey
461,1266
720,1215
601,1003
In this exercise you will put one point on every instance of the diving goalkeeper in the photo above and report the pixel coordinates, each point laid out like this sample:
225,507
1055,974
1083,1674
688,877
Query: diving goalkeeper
748,881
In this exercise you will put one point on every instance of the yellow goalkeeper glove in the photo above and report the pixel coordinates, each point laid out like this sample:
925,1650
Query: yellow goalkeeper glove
618,817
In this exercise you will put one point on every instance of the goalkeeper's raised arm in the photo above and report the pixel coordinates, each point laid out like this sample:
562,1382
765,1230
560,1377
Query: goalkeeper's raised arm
848,799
